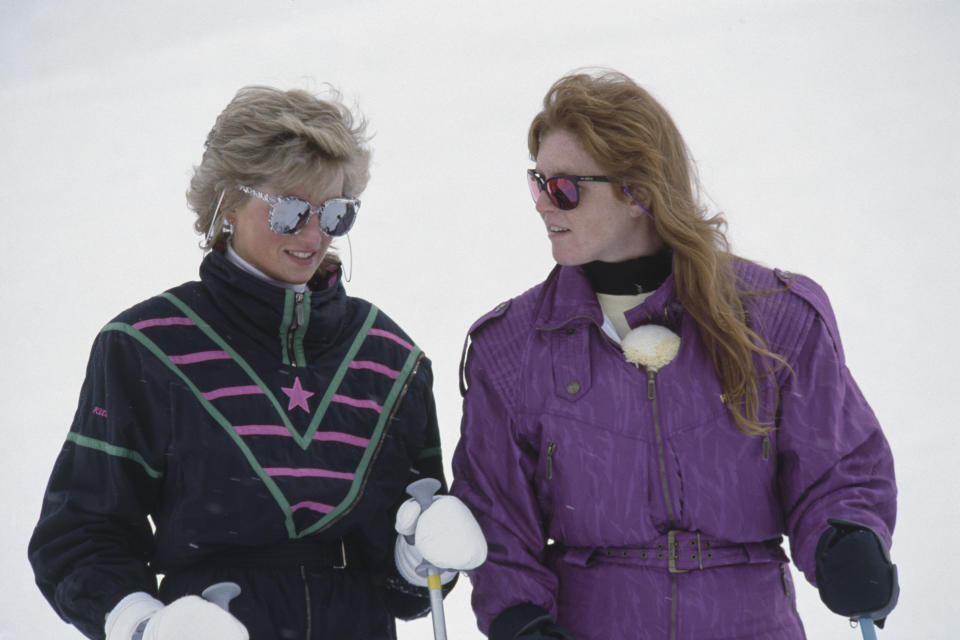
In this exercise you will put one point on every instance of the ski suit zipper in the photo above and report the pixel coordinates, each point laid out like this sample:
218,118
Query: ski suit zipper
652,395
296,323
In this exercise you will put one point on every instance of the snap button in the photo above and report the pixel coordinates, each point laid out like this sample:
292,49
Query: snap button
573,388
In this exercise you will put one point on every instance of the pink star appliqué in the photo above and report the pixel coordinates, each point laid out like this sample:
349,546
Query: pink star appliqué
298,396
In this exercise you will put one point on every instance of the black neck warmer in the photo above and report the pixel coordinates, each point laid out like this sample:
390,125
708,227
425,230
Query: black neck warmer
638,275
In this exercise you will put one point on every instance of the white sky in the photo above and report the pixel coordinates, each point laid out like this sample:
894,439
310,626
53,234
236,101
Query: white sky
826,130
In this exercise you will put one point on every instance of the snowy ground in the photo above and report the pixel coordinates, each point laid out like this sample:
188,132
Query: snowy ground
826,129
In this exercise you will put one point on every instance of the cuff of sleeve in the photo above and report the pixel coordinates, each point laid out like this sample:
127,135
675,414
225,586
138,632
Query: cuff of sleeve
123,619
518,619
408,560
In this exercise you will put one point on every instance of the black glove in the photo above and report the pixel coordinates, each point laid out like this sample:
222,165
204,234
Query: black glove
527,622
854,573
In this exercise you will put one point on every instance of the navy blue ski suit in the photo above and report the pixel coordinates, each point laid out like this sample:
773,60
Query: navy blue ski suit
229,429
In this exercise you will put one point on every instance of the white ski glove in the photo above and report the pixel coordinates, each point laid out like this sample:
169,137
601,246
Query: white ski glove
446,535
183,619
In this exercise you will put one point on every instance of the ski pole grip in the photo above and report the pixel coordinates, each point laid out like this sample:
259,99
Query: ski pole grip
221,594
422,491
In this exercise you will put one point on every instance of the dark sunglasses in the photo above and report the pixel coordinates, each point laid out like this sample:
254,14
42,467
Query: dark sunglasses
562,189
289,215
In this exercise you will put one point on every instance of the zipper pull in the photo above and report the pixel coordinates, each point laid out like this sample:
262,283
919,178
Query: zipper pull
766,447
299,305
550,450
651,385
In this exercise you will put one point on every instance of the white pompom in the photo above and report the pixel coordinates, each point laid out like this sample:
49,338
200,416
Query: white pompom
650,345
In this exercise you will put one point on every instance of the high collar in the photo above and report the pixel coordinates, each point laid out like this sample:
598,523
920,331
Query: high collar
261,308
236,259
568,299
638,275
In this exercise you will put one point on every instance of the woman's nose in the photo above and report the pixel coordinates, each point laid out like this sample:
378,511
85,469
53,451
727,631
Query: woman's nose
312,228
543,202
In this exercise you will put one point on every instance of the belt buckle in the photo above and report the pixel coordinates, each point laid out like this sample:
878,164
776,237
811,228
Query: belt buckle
673,552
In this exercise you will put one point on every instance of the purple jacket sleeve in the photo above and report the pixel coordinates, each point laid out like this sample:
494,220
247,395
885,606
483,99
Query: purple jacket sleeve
493,472
834,460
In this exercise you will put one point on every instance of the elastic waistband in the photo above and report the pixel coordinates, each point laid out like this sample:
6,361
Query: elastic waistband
678,552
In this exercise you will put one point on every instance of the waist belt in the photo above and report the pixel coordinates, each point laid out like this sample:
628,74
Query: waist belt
679,552
322,554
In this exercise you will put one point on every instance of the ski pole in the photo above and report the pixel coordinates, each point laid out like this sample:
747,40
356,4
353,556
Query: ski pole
422,491
221,594
867,629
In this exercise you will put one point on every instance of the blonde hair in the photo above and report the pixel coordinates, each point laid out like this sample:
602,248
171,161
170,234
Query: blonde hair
637,144
287,137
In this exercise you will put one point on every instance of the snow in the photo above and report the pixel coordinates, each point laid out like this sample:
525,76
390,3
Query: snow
826,130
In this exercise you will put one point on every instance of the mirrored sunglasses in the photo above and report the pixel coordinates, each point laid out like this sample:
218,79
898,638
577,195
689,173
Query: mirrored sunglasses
561,189
289,215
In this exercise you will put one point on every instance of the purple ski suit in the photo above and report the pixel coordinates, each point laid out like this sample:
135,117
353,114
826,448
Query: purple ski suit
628,505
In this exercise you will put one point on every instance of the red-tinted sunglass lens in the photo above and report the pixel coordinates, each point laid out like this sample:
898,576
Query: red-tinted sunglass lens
534,185
563,192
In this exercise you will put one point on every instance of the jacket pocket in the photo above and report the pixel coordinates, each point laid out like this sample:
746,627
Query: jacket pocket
729,480
592,485
572,376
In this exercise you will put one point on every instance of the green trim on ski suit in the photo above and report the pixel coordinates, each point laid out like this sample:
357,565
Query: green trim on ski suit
114,450
303,440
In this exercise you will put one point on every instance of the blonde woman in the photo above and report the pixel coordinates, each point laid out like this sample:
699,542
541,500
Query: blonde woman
642,428
254,431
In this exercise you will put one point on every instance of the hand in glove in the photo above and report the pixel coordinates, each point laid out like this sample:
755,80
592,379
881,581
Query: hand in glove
186,618
527,622
546,631
854,573
445,535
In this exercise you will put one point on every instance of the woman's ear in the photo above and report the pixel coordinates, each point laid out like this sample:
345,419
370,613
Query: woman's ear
640,201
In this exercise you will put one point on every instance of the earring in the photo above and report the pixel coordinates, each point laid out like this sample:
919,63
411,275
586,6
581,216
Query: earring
227,227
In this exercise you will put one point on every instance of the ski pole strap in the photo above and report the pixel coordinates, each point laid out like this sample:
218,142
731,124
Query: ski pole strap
138,632
678,552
